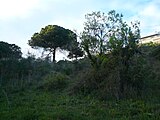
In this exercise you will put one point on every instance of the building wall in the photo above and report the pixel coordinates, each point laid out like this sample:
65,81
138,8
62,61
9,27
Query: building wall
152,38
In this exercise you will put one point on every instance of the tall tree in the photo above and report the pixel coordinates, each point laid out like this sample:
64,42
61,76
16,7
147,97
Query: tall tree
109,34
123,44
52,37
10,55
95,36
9,51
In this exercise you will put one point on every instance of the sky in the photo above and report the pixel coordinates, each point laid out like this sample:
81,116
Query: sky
20,19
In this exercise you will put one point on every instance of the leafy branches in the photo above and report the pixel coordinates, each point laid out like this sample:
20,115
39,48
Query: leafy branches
108,35
51,37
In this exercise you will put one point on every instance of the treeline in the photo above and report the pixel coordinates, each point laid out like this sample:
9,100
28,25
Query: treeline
17,72
112,64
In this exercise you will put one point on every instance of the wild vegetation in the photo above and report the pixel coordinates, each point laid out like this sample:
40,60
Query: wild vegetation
116,78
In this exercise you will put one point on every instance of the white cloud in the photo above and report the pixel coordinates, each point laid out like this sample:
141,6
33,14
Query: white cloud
17,8
150,17
151,10
147,14
19,19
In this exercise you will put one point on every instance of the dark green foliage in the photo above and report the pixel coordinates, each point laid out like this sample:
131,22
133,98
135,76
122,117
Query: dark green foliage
55,81
53,102
94,37
9,51
24,72
138,73
9,70
10,55
51,37
65,67
108,33
75,52
156,52
105,83
94,82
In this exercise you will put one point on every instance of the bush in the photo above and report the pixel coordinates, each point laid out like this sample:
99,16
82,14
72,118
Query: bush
101,83
104,83
156,52
55,81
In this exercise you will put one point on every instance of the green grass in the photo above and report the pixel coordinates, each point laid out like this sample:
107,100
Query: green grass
41,105
50,100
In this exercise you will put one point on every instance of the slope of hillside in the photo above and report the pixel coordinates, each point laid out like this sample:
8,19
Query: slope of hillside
51,100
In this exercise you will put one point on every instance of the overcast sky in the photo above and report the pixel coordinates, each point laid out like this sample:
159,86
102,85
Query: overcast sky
19,19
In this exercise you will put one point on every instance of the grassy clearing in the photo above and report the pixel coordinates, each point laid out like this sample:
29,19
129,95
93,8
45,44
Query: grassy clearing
42,105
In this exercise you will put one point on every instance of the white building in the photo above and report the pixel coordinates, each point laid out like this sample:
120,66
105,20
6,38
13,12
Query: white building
155,38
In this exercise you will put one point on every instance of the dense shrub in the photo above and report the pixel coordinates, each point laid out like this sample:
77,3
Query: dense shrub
156,52
99,83
55,81
104,83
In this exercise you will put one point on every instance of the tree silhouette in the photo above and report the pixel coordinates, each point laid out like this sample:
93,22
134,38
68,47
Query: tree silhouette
52,37
9,51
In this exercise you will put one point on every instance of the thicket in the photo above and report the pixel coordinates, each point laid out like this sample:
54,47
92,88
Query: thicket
114,65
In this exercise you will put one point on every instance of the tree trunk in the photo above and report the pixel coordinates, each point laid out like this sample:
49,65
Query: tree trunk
54,54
